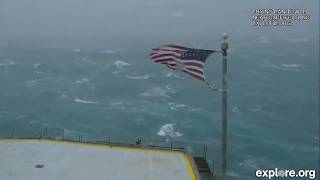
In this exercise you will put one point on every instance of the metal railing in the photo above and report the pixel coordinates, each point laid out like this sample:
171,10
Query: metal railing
194,148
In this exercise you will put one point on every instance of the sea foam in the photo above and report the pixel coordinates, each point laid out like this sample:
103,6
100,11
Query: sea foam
143,77
168,130
82,81
78,100
292,65
108,51
120,66
173,75
10,63
36,65
76,51
285,67
156,92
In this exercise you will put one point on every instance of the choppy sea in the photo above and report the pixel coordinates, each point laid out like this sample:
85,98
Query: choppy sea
118,92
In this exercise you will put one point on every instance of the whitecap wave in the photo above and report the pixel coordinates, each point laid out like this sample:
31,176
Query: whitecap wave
156,92
250,163
173,75
168,130
292,65
170,89
64,95
78,100
120,66
41,72
116,72
4,113
256,108
235,109
21,116
82,81
175,106
32,82
84,59
108,51
117,105
285,67
76,50
36,65
10,63
143,77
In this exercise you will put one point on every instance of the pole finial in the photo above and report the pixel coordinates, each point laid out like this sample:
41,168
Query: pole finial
224,45
224,36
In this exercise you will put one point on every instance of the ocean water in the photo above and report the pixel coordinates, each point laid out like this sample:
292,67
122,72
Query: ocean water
118,92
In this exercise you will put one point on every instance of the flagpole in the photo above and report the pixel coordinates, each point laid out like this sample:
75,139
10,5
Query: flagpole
224,47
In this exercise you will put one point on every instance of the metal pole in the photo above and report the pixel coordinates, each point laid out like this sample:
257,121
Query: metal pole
224,47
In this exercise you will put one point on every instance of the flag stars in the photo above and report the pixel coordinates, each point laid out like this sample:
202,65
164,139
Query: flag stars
196,54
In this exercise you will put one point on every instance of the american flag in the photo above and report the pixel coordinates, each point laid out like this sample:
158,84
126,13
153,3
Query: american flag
180,58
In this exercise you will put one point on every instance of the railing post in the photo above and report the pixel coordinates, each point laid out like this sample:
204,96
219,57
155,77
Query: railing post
40,135
138,142
212,167
205,151
110,142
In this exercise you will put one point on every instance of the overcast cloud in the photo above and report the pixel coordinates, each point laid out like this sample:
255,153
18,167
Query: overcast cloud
148,19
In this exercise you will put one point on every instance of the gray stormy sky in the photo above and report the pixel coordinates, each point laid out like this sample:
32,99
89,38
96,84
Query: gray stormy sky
132,20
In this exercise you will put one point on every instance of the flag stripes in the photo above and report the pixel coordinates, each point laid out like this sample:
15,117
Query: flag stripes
188,60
